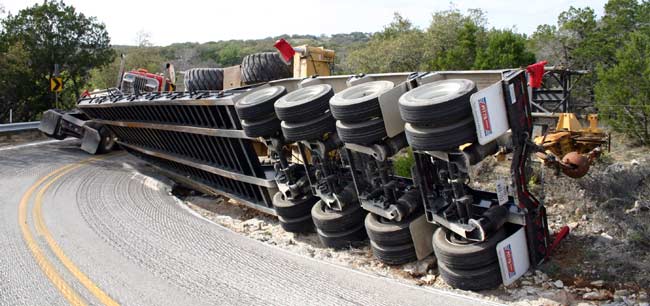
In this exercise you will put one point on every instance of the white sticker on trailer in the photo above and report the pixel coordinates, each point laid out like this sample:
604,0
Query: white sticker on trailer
490,115
513,257
502,191
513,98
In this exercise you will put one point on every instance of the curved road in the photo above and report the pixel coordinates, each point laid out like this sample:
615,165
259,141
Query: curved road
81,231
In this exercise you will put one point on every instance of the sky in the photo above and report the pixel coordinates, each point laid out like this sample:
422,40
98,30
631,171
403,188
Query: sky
176,21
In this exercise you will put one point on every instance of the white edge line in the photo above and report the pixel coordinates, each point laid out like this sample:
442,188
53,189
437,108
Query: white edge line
32,144
434,290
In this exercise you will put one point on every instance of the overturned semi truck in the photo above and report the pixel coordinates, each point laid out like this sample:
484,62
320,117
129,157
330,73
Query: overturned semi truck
95,137
331,141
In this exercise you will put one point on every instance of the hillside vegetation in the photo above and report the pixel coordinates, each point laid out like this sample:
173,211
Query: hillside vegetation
614,47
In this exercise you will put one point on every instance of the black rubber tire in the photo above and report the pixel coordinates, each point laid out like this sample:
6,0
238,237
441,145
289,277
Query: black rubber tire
203,79
106,140
394,255
293,209
305,103
264,67
57,136
441,138
439,103
366,132
259,104
359,102
309,130
297,225
331,221
470,256
487,277
393,233
261,128
341,240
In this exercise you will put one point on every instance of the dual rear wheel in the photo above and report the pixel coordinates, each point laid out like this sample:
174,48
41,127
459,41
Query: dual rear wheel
438,115
468,265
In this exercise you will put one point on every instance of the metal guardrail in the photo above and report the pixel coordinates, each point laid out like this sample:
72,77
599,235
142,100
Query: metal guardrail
19,127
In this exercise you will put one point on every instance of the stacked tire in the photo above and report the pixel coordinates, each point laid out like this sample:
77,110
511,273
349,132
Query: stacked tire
294,214
358,115
339,229
391,240
438,115
264,67
257,114
203,79
466,264
305,113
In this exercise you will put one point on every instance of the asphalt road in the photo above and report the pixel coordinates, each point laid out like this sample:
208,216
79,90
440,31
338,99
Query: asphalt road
99,232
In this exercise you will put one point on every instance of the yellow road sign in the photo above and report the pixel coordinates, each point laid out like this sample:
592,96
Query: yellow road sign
56,84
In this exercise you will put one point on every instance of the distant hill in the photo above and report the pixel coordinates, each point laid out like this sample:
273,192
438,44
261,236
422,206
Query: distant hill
231,52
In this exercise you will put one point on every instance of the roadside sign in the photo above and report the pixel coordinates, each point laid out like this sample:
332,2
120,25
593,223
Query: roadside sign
56,84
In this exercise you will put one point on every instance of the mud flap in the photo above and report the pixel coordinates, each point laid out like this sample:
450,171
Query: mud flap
513,257
51,123
422,234
90,141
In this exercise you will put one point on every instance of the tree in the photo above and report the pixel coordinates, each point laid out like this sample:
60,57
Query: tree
55,33
15,84
462,54
544,43
585,42
143,39
230,55
396,28
453,38
623,90
397,48
505,49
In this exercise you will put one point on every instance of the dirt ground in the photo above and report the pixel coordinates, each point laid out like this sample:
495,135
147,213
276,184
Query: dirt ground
604,261
606,256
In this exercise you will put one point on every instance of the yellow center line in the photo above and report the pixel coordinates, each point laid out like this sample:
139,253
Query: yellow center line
54,246
45,265
68,292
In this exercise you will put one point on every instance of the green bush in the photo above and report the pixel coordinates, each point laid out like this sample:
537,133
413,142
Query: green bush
402,164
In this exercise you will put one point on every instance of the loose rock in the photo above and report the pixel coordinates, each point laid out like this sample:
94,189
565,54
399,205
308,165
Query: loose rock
600,295
539,277
427,280
559,296
420,267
